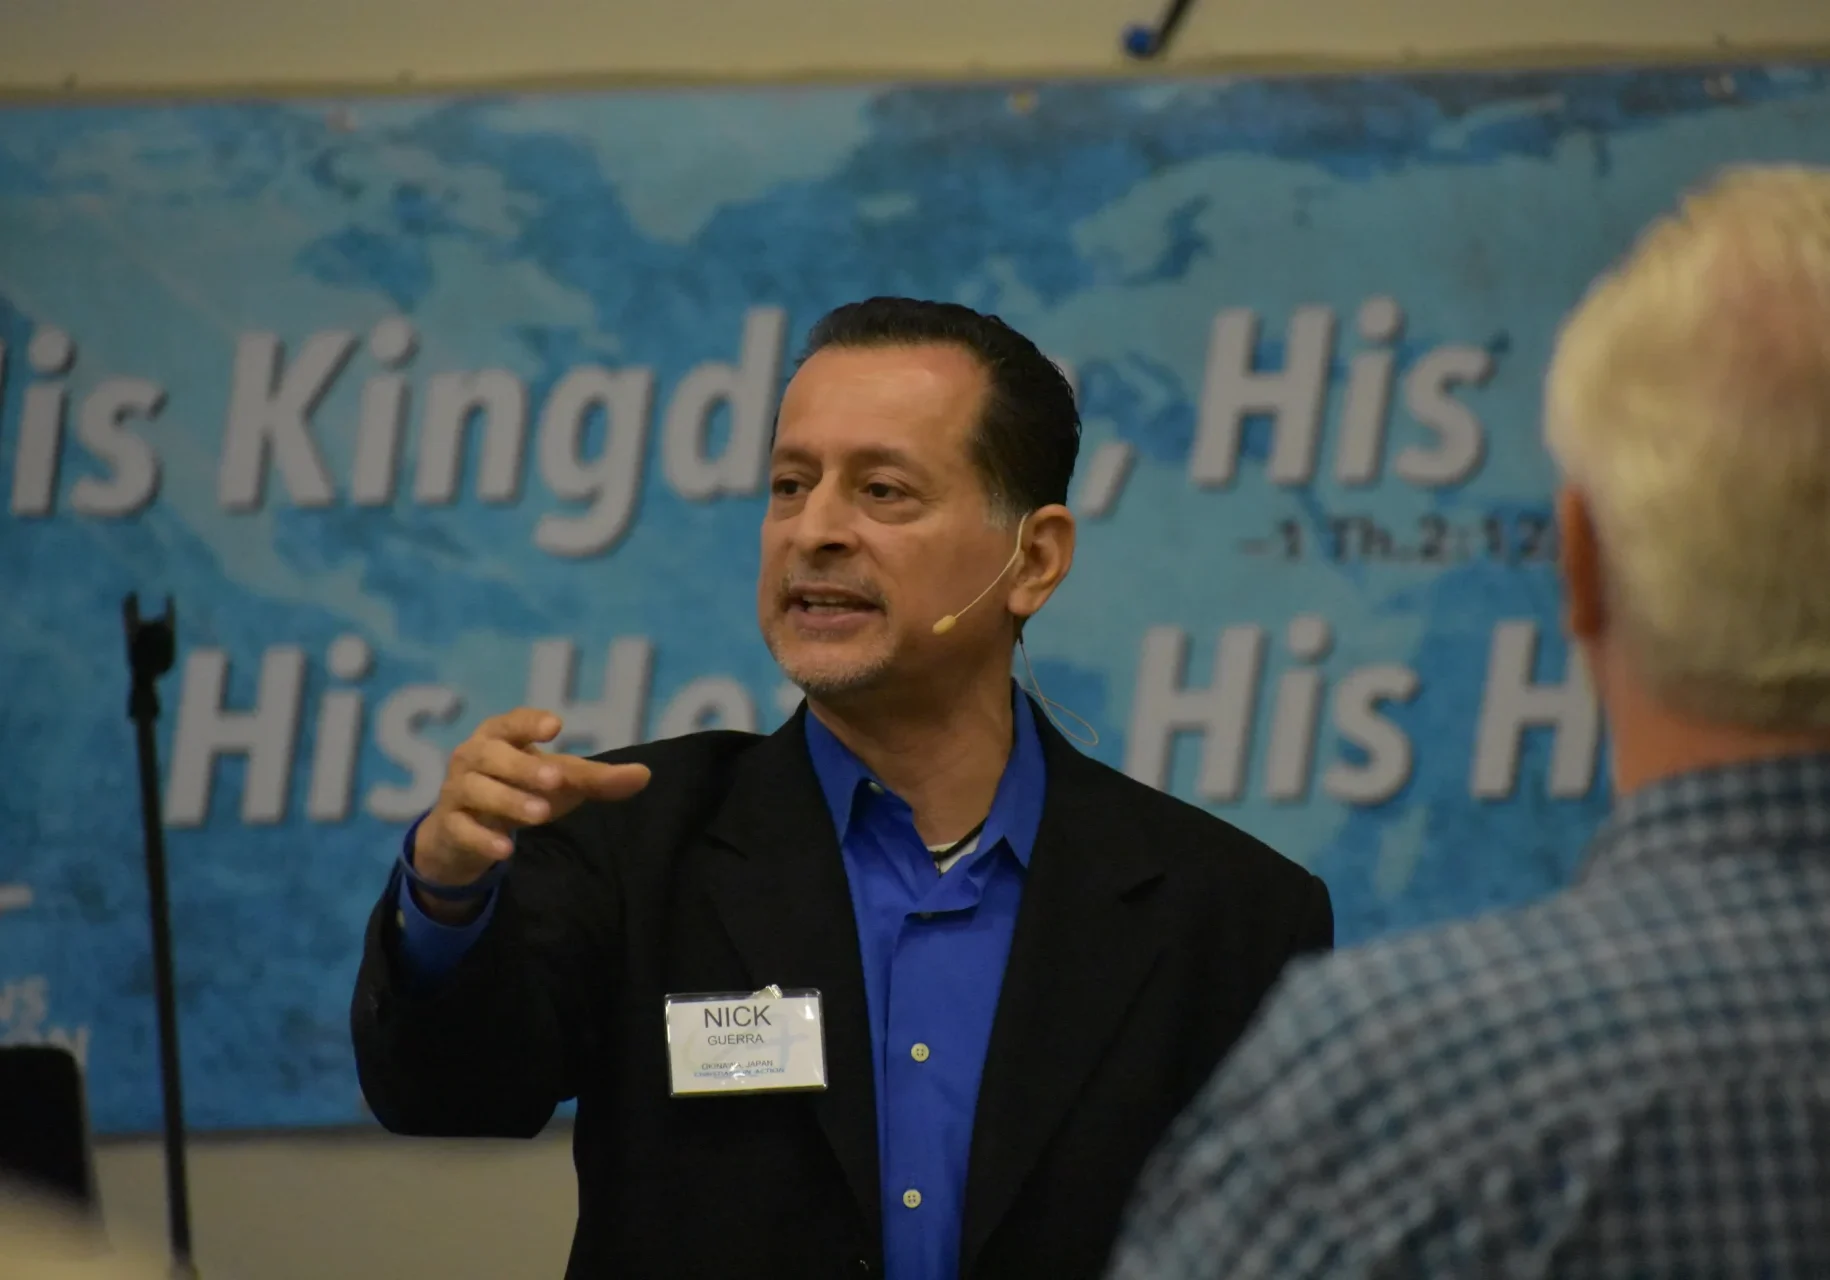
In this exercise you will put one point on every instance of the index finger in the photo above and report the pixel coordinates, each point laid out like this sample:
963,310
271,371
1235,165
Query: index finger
522,727
603,781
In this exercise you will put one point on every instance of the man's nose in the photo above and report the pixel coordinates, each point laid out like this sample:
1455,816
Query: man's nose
827,522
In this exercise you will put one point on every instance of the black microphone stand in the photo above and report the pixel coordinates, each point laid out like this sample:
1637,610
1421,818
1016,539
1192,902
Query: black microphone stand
152,645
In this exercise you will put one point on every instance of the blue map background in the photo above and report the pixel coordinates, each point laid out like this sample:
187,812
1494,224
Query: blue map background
1109,221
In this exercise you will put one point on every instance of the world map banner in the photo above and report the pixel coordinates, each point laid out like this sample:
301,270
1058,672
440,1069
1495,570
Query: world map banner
422,408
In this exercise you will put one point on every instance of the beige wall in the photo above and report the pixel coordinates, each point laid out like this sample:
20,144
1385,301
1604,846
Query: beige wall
106,44
349,1206
355,1206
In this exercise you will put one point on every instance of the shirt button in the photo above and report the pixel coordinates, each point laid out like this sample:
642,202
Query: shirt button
875,789
912,1198
919,1052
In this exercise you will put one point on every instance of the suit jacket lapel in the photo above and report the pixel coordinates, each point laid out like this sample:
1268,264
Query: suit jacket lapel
778,883
1085,940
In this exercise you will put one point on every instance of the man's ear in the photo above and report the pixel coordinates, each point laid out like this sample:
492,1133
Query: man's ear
1585,612
1048,554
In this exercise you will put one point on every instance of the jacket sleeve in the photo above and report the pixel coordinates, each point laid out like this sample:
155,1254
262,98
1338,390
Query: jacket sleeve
494,1046
1315,921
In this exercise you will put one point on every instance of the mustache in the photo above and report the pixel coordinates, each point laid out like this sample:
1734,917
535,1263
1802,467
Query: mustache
795,583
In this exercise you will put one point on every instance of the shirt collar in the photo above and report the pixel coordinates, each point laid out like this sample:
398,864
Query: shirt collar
1016,808
1778,803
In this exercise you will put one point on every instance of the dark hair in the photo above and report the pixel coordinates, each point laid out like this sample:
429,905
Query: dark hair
1027,437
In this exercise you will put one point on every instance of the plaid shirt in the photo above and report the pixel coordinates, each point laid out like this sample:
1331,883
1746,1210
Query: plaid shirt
1629,1079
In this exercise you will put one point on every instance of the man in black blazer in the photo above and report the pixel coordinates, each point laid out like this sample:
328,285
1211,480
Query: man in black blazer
1008,966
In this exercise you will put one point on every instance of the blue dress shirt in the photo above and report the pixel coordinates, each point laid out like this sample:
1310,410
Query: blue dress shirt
933,947
430,949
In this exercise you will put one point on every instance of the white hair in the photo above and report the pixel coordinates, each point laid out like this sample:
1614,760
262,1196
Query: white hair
1688,401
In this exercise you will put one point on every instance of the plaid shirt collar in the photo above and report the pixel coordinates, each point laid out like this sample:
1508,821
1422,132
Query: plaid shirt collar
1781,803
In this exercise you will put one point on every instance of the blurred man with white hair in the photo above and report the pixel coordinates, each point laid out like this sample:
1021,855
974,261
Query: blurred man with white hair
1631,1078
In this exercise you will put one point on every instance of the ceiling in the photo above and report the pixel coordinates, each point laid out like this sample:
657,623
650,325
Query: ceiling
102,46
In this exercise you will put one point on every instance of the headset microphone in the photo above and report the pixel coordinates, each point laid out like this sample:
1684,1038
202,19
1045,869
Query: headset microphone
1049,705
947,623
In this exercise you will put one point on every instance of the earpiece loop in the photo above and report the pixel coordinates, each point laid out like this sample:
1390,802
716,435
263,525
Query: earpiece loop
1050,706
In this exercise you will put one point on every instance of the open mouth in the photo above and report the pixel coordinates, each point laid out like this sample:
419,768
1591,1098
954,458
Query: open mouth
826,605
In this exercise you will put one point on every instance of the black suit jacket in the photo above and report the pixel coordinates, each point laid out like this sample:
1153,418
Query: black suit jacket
1147,935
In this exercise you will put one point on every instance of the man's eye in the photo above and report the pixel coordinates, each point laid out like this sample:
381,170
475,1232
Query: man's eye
785,487
881,491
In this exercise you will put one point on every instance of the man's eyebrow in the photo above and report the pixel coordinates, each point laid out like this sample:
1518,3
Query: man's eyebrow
869,456
884,455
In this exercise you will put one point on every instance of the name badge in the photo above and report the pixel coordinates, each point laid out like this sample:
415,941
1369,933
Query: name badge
768,1041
